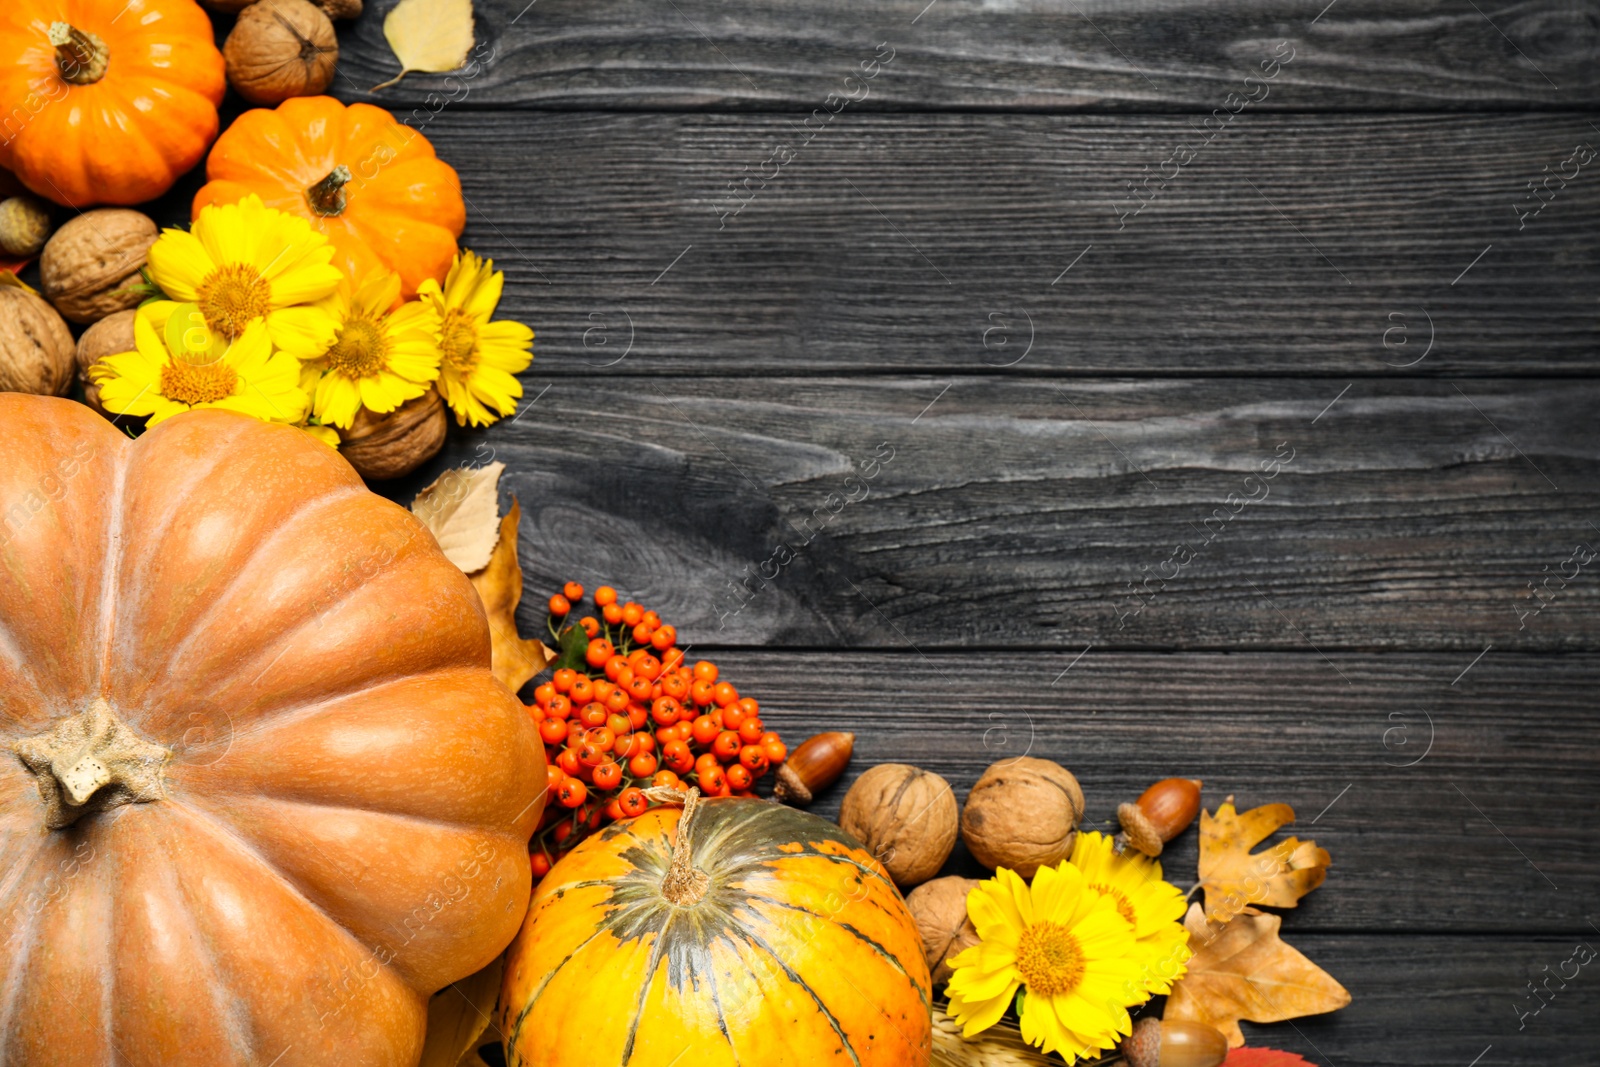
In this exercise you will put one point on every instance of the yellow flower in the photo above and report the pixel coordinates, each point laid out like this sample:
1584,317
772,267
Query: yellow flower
1154,907
245,263
1065,944
161,378
480,358
379,358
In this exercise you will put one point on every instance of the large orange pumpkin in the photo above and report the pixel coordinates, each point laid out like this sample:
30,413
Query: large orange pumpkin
785,945
261,794
372,184
106,101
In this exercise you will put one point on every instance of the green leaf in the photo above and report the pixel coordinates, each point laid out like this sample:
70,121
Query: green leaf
574,646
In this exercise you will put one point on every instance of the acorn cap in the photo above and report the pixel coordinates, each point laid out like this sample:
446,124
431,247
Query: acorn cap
1138,831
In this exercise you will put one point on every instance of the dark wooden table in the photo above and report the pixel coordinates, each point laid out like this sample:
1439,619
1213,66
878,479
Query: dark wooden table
1066,279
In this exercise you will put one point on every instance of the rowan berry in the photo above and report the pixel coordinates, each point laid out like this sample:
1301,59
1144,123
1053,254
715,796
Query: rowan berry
633,802
571,794
614,668
613,809
663,638
638,688
616,700
753,758
665,711
705,671
598,653
594,713
713,782
677,756
590,624
553,731
638,716
739,777
674,687
573,591
563,679
632,613
612,614
542,695
580,689
700,692
617,723
560,605
751,708
775,751
563,829
726,746
733,716
608,775
540,863
559,707
568,762
671,658
750,731
705,762
704,730
605,595
724,694
643,742
642,765
648,667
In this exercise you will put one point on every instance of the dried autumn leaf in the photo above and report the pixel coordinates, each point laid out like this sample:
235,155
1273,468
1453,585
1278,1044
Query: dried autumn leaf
458,1015
499,586
1263,1057
462,511
428,36
1244,971
1235,878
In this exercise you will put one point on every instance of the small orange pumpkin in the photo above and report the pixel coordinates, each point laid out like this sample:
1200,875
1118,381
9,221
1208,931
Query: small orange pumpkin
107,101
732,932
260,794
372,184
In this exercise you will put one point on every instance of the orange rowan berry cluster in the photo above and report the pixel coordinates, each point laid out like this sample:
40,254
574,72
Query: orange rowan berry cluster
625,711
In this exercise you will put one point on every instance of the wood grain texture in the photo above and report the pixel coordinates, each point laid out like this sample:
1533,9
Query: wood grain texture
1291,244
1412,813
924,513
1033,54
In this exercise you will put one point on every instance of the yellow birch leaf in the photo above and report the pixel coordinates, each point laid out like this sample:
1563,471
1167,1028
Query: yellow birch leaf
428,36
462,511
1235,878
499,586
458,1015
1242,970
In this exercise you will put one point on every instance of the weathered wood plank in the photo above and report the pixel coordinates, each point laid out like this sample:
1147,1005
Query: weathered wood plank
1293,244
1397,772
975,54
1019,512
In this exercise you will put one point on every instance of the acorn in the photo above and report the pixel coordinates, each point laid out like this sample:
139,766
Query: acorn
1155,1043
1162,812
811,768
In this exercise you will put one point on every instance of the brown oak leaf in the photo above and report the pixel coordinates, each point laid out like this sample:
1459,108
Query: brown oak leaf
1235,878
458,1015
499,586
1242,970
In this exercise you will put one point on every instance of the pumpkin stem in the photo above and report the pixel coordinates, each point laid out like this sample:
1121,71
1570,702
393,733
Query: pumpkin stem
92,762
328,197
684,883
81,57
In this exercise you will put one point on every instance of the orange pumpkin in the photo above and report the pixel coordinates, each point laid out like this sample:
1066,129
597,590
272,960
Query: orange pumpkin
769,937
262,794
106,101
373,185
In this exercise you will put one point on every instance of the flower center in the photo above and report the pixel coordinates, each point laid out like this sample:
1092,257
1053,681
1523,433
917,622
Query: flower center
232,297
1050,959
362,349
458,342
192,384
1121,901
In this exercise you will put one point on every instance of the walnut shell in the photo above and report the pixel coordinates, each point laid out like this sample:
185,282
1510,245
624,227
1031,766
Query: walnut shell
24,225
1023,814
387,446
91,264
905,816
35,345
110,336
940,910
279,49
341,9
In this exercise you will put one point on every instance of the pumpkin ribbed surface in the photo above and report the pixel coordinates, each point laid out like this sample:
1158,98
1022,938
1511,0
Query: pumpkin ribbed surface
147,115
320,798
800,951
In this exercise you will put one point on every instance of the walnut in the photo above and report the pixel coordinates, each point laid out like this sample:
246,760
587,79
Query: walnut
108,337
24,225
905,816
1023,814
35,345
940,909
341,9
279,49
387,446
91,264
